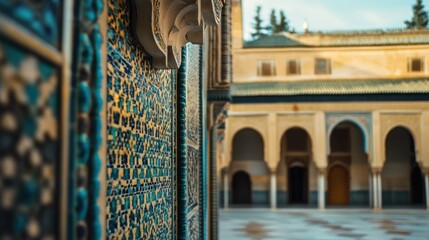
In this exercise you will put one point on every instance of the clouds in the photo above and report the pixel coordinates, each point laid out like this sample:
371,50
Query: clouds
333,14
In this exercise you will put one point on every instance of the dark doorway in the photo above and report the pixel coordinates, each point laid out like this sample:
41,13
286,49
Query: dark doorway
298,184
241,188
417,185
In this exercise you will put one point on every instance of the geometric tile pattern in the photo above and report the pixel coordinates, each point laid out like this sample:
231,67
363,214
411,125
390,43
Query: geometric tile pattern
140,161
330,224
29,145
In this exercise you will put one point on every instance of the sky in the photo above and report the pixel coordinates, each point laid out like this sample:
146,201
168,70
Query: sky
325,15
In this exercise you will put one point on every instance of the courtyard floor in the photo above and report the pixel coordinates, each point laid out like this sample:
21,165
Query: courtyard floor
236,224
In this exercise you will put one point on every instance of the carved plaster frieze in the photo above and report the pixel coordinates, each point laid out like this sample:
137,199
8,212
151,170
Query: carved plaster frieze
163,27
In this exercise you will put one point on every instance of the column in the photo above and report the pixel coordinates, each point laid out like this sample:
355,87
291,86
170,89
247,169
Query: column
321,189
427,189
374,191
370,191
379,191
272,156
225,190
273,190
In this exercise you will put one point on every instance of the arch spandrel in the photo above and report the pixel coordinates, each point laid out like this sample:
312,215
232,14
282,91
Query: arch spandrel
362,120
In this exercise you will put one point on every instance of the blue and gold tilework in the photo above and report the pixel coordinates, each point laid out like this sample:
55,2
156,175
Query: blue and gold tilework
29,143
140,162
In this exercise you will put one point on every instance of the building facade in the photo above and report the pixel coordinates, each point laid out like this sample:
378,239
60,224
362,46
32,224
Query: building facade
327,119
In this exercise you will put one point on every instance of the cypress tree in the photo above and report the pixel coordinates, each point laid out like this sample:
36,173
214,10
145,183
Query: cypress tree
273,28
257,24
283,25
420,17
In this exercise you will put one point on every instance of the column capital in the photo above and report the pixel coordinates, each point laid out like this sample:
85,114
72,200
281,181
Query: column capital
225,170
322,170
376,170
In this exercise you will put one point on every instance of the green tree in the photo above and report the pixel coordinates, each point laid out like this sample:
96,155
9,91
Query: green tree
258,28
278,26
420,17
273,27
284,24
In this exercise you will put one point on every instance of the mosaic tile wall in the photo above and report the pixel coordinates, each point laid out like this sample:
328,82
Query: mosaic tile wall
140,162
31,105
40,17
193,126
29,143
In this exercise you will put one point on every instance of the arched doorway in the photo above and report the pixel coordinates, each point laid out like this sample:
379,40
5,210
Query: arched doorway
298,184
348,177
402,178
338,185
248,156
296,168
241,188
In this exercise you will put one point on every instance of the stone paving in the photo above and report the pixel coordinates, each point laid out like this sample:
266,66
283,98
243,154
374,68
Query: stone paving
237,224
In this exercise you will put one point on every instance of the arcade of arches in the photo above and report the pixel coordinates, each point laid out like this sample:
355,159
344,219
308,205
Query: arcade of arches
290,161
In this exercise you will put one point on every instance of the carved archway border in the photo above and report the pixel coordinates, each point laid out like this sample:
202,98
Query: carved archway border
362,120
163,27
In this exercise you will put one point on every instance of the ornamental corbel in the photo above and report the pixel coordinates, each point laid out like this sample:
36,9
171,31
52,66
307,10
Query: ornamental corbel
163,27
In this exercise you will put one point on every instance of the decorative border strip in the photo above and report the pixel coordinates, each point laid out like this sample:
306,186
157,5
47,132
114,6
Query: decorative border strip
182,227
174,153
214,204
86,124
96,136
202,149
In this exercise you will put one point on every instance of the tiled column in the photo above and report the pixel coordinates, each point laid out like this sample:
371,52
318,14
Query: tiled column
225,190
273,189
321,189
